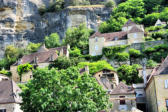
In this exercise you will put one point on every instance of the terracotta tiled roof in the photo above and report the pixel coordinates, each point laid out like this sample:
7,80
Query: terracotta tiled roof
122,89
9,92
135,29
129,23
111,36
44,56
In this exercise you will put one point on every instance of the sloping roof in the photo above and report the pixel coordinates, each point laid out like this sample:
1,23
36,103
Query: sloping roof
43,56
111,36
9,92
163,68
122,89
135,29
129,23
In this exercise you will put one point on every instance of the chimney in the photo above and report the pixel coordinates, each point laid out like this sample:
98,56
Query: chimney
87,69
19,61
68,48
144,61
61,53
36,60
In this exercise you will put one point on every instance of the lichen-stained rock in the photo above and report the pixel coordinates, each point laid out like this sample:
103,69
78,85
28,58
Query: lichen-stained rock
21,23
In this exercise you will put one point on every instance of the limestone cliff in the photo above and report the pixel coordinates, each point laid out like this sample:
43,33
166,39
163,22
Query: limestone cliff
21,23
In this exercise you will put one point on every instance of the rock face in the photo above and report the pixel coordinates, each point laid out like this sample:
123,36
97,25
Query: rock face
20,22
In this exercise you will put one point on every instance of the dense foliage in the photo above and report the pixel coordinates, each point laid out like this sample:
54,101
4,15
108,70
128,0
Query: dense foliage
111,52
63,91
52,40
64,62
129,74
32,47
78,37
57,5
23,68
96,66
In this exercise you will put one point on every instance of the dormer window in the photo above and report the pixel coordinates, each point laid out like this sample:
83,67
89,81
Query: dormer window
115,38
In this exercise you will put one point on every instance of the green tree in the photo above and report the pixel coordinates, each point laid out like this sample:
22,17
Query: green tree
164,14
151,63
96,66
75,52
11,52
152,5
78,37
109,4
150,19
134,54
63,91
112,25
64,62
129,74
32,47
23,68
52,40
133,8
122,57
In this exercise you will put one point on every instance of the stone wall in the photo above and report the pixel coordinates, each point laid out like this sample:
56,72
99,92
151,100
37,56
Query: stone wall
20,21
130,102
11,107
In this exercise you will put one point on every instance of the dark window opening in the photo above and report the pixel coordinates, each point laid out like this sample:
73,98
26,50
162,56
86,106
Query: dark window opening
110,75
122,101
2,110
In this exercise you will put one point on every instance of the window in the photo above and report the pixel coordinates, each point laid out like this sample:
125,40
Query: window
167,103
2,110
135,35
166,84
116,38
31,76
96,47
122,101
110,75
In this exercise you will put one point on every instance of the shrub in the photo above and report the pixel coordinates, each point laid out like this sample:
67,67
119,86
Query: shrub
151,63
129,74
23,68
5,72
52,40
75,52
109,4
32,47
96,66
121,57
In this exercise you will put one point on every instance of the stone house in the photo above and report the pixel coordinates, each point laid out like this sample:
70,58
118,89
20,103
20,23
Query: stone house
9,95
42,58
160,23
157,88
108,79
131,33
123,98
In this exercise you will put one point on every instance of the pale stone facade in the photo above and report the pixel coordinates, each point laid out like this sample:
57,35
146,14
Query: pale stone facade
131,33
130,102
123,98
108,79
42,58
10,107
157,89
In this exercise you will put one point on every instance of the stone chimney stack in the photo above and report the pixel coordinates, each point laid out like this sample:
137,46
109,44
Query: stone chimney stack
87,69
144,61
68,48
